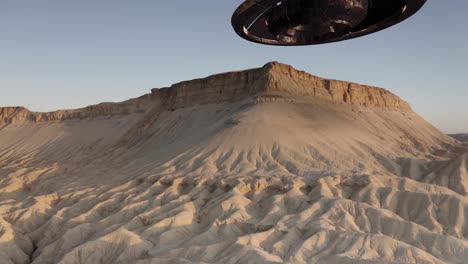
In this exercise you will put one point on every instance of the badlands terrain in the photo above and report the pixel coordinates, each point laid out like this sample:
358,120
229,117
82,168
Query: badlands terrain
268,165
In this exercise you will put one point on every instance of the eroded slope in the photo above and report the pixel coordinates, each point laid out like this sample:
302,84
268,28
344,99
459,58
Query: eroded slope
268,165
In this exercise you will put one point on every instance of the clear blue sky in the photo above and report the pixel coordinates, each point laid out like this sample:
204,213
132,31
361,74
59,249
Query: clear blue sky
65,54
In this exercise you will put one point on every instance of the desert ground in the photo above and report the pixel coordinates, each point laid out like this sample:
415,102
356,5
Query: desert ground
267,165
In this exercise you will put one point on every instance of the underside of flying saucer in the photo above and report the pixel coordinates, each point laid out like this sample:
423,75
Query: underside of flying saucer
308,22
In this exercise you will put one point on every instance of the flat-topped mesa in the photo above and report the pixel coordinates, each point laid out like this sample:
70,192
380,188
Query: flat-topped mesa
279,80
274,80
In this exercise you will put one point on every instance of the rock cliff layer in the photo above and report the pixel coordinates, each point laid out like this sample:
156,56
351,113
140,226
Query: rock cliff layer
272,81
275,79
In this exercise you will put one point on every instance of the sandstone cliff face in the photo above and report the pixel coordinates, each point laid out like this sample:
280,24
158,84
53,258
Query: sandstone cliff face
272,81
287,80
10,115
279,80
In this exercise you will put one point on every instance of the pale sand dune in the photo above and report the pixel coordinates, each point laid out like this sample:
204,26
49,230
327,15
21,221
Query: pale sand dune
269,165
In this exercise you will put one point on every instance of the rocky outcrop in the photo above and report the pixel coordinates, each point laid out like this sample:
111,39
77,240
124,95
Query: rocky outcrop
271,82
10,115
278,80
284,79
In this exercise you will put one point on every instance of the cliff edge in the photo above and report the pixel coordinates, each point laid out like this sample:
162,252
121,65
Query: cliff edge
270,82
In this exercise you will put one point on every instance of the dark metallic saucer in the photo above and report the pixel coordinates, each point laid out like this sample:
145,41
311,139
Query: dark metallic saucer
309,22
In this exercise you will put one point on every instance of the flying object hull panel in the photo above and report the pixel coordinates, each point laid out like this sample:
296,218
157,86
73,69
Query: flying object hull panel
309,22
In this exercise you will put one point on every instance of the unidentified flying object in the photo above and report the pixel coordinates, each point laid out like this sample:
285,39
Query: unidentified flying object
309,22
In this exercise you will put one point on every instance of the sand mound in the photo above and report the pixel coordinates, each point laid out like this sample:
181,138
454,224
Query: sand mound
268,165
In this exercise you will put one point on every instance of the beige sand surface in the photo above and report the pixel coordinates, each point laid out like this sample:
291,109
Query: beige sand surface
269,165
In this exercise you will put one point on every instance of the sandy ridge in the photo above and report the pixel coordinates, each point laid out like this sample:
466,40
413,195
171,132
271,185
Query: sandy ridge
273,81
